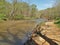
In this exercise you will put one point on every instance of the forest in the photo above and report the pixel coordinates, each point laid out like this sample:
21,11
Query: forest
17,10
23,23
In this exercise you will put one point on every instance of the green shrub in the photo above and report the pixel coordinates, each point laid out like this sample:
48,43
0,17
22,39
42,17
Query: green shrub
2,16
57,18
57,22
18,17
29,18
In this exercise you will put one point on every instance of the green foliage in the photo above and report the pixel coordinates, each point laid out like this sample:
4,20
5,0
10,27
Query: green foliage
57,22
27,18
51,13
57,18
18,17
17,10
2,16
33,10
22,10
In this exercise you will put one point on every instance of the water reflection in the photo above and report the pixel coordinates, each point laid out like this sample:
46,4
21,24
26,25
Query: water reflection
28,34
6,36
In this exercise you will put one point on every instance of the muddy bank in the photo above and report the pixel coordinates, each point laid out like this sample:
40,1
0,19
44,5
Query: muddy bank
43,35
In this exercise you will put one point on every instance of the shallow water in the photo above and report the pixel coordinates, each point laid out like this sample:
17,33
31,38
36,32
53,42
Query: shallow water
11,39
28,34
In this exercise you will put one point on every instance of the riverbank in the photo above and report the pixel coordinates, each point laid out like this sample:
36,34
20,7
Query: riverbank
46,34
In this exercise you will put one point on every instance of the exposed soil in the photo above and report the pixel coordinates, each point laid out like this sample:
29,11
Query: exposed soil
47,34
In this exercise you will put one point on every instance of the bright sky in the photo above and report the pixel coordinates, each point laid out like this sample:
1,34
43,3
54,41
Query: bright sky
41,4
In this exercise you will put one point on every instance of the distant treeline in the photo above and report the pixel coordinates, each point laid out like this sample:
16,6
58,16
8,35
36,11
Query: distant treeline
17,10
51,13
